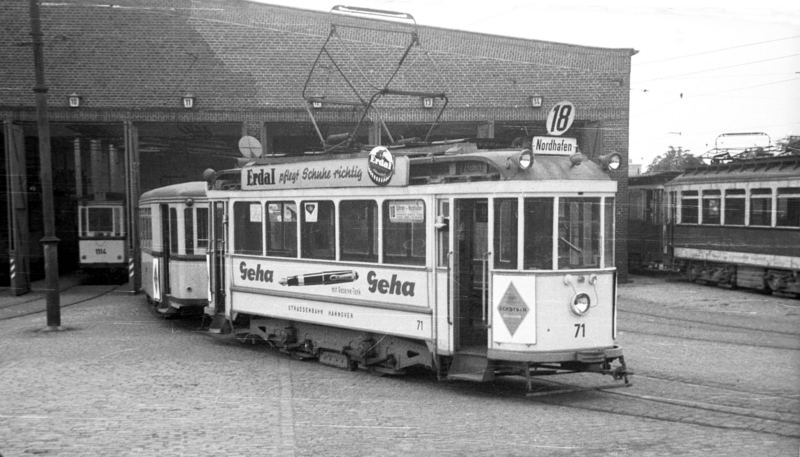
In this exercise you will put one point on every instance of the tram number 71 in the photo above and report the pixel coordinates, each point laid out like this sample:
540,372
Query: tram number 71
580,330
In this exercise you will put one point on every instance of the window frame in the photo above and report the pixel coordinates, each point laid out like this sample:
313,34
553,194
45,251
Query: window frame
286,253
413,232
373,232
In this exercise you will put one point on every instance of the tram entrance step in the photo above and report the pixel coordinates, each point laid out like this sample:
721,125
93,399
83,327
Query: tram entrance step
470,367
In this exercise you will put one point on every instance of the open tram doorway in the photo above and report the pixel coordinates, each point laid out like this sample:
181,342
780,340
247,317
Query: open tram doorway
471,275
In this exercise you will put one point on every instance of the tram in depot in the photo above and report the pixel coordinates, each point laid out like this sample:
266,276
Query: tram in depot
173,237
102,241
473,263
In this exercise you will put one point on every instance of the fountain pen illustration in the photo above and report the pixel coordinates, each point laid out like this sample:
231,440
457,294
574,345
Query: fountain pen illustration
321,278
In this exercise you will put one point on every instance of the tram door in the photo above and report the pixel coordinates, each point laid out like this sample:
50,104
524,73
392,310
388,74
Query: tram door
217,258
169,237
470,274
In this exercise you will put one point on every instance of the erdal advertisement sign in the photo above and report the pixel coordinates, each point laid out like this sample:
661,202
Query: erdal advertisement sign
381,168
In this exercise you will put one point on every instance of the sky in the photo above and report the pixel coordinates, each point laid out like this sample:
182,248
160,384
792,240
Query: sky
703,68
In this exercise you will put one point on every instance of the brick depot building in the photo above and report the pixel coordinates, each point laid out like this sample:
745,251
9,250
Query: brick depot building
130,65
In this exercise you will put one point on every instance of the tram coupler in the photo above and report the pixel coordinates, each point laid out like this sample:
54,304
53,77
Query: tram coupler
621,372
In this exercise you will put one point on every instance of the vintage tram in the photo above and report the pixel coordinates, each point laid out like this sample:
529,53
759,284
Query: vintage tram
102,241
738,224
173,237
473,263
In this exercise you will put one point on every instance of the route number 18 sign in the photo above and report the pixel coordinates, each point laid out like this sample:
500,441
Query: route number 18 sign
560,118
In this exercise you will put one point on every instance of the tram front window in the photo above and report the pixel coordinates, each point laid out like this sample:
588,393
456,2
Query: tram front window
100,221
505,233
578,233
538,238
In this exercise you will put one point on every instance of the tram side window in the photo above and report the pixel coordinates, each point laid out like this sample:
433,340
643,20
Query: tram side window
761,207
282,229
202,229
711,207
404,232
145,229
578,233
609,232
317,230
247,220
734,206
505,233
173,231
689,207
188,230
538,236
358,230
789,207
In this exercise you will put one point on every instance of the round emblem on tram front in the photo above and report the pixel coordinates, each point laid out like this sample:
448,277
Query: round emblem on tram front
380,166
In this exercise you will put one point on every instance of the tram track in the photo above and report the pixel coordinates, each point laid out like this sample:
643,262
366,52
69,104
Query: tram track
62,305
652,324
710,340
11,305
707,413
716,385
711,324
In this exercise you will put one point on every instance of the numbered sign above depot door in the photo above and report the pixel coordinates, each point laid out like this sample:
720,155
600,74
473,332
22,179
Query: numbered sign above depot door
560,118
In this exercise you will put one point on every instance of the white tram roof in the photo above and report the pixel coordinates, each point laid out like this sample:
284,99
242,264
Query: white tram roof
176,192
467,165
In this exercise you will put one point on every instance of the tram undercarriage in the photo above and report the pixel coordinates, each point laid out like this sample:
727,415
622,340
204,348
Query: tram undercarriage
343,348
392,355
740,276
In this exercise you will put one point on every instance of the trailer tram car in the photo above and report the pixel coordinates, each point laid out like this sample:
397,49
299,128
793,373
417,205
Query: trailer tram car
737,224
173,226
475,264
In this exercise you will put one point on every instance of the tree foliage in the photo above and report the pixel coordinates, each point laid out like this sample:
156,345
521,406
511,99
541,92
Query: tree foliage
674,160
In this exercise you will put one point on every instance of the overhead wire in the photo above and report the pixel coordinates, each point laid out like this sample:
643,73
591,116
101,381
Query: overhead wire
712,51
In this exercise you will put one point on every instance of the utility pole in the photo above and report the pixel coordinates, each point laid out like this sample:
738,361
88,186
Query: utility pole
50,241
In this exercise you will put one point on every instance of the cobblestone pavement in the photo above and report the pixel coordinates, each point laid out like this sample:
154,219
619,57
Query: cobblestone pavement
121,381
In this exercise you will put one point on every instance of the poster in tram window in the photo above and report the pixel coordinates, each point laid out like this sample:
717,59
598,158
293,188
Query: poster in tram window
255,212
406,211
312,213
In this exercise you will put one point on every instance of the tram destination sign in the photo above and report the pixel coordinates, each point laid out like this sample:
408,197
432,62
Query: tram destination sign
324,174
551,145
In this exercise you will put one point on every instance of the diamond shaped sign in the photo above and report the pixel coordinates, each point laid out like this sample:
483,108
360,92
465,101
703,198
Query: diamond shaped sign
512,308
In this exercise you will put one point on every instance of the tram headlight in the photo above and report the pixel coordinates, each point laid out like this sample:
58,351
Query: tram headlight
580,304
525,159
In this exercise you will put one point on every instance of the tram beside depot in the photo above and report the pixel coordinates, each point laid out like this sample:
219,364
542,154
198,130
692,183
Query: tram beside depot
173,237
102,244
473,263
